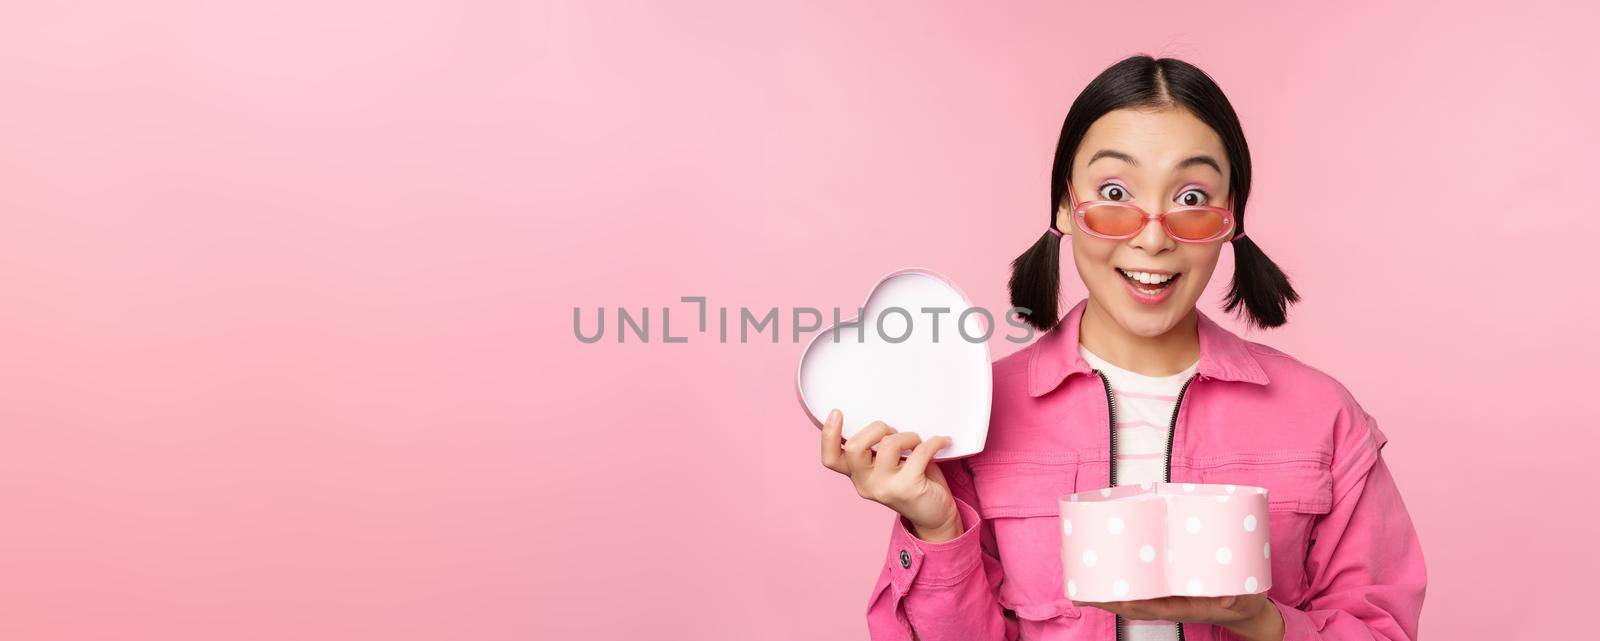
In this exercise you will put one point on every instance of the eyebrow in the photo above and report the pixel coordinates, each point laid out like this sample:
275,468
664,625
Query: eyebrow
1201,159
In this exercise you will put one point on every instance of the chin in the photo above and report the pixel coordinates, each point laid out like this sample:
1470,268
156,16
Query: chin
1147,321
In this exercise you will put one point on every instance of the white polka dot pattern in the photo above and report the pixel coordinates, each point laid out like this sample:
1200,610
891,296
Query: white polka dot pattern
1112,537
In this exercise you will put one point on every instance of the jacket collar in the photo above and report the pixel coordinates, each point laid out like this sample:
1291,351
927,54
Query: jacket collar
1223,355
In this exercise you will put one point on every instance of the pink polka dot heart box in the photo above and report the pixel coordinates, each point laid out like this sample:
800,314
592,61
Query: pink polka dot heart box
1165,539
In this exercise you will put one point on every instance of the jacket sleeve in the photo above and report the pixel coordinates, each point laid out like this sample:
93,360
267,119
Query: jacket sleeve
1364,563
942,591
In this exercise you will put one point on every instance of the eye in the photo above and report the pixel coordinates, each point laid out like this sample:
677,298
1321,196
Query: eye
1192,197
1113,191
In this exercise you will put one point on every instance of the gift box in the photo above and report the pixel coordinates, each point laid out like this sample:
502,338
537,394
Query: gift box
1165,539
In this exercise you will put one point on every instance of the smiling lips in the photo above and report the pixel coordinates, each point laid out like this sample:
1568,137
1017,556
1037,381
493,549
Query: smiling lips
1149,287
1148,280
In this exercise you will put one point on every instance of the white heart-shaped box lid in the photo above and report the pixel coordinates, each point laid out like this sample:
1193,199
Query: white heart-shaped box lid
918,371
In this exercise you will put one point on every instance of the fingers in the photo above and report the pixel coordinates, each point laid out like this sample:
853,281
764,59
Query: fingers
917,463
832,443
889,449
1173,608
1115,607
858,449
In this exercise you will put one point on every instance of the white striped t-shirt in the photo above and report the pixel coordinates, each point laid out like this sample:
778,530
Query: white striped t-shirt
1143,414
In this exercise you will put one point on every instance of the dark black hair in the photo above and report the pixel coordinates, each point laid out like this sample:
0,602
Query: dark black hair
1145,82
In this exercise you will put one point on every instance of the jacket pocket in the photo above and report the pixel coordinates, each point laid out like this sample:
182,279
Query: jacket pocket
1022,489
1021,502
1298,494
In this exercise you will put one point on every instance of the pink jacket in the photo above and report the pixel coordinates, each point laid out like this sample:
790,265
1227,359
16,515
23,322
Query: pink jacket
1346,562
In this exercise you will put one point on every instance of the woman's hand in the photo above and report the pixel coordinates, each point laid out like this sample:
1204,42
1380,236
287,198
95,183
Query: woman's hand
913,488
1251,616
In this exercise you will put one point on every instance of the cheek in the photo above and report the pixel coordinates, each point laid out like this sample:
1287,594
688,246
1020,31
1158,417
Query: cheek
1093,259
1200,264
1205,258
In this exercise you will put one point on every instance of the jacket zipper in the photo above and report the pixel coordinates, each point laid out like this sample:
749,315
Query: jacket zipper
1172,430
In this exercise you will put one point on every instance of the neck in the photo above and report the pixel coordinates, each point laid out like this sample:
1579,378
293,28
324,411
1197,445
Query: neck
1162,355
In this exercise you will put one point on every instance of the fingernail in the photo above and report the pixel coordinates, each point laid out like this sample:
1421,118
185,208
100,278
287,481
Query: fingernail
833,415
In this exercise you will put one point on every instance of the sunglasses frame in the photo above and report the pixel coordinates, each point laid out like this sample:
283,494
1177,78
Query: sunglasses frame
1080,213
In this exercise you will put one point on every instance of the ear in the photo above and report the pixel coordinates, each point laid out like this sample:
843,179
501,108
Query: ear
1064,219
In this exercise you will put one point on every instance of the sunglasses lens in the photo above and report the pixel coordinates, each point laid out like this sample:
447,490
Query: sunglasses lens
1113,220
1196,224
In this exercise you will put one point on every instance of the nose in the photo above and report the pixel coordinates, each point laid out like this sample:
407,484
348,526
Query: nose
1152,238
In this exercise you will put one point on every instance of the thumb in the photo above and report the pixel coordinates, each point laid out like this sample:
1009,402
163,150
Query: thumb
934,472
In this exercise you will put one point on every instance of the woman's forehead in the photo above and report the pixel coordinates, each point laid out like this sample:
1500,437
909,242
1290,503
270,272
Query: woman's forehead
1150,139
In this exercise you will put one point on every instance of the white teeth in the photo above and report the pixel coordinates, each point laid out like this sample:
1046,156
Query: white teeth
1149,278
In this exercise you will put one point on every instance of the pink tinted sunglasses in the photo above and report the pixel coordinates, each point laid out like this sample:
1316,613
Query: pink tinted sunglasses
1115,220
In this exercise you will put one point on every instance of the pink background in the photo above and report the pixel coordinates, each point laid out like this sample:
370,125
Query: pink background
286,293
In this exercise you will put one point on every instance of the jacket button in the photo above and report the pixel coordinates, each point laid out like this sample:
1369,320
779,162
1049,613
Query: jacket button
905,559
